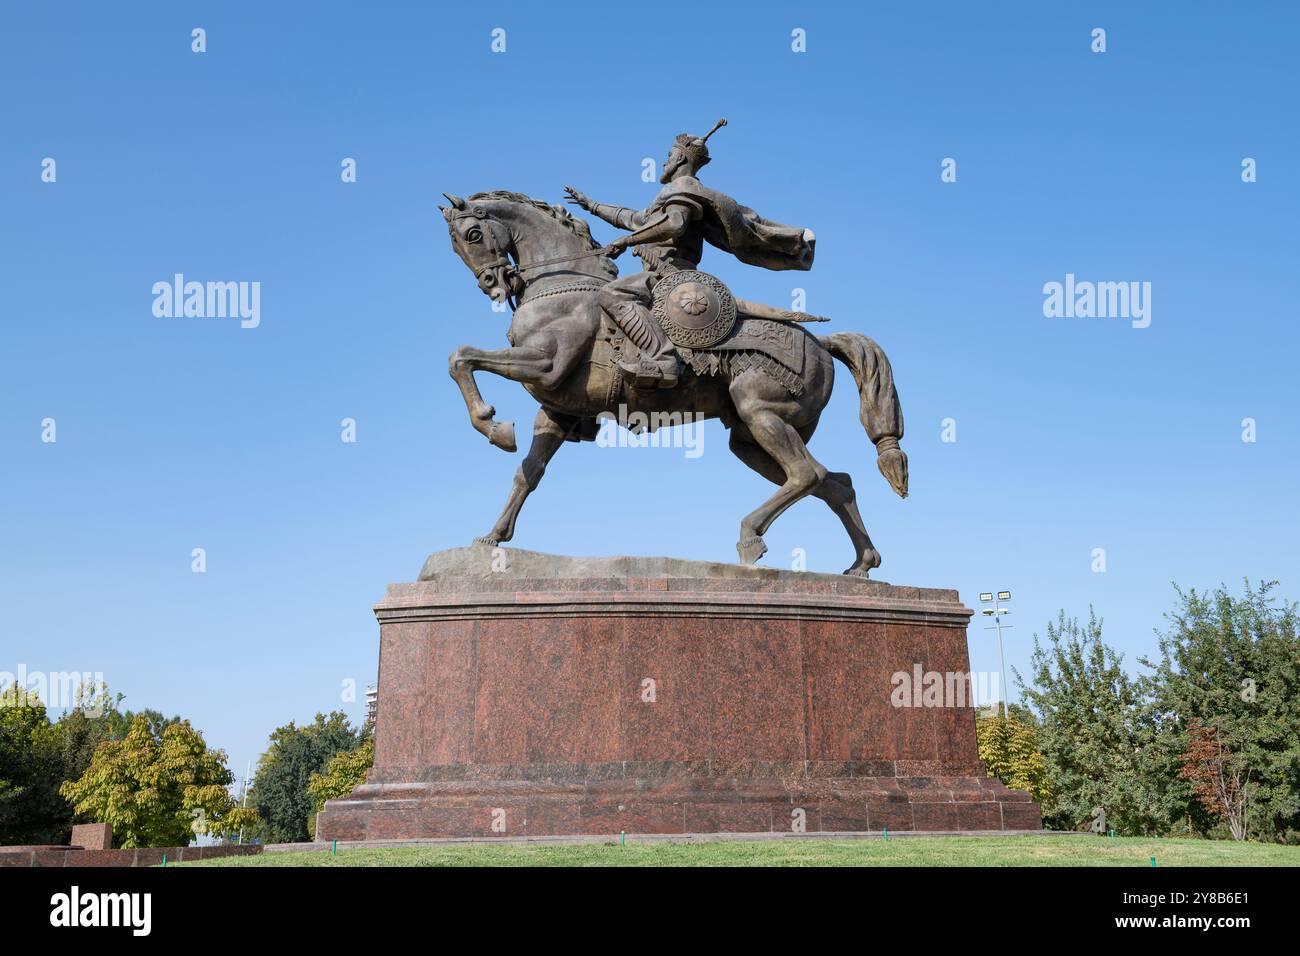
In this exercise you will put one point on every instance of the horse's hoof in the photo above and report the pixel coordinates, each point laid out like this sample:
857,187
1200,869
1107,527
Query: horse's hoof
857,573
502,434
751,549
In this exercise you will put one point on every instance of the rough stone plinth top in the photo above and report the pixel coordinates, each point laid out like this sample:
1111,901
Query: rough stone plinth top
482,574
512,563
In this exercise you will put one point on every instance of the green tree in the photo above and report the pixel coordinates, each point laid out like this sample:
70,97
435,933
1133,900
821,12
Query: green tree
1089,730
158,786
1009,746
280,786
95,718
31,809
344,773
1231,664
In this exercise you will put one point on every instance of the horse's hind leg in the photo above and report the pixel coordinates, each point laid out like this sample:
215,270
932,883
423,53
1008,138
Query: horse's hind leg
760,403
549,432
836,490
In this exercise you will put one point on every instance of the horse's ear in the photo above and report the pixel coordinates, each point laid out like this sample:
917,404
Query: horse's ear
456,201
446,213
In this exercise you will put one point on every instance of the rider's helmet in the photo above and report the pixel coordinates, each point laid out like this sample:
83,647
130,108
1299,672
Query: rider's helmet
695,148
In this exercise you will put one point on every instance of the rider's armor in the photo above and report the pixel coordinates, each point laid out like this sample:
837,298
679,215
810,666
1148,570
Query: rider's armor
675,227
628,298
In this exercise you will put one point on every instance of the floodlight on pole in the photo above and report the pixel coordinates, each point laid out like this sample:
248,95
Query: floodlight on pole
996,612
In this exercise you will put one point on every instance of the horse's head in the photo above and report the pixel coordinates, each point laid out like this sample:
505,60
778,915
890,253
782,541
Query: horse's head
506,236
485,245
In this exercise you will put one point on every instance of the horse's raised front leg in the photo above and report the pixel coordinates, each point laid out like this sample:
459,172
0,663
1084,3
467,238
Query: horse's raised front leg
519,363
549,433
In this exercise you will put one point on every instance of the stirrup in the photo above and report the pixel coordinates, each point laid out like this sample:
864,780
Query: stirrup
645,373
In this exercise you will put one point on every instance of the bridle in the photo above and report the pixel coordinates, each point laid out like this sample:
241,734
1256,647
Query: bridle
510,270
499,260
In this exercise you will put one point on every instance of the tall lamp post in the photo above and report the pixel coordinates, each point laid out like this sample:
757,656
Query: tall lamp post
996,612
244,798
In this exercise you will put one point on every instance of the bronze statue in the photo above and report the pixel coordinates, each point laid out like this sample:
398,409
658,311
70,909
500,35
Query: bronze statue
670,339
669,237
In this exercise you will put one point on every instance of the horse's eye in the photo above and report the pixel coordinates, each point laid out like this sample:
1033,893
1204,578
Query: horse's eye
474,235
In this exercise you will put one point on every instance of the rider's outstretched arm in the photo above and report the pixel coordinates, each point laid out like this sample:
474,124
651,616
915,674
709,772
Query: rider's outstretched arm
668,225
620,216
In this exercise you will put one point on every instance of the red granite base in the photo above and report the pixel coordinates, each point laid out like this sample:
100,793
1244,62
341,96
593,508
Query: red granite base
688,804
574,696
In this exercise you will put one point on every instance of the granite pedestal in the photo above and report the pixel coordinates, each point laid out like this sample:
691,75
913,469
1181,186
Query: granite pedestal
525,695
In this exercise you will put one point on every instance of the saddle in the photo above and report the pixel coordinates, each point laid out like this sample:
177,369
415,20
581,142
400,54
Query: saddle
714,335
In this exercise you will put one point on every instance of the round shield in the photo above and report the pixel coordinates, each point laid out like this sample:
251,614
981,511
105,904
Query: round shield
695,309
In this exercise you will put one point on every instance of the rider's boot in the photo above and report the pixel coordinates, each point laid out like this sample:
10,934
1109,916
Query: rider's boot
658,365
653,371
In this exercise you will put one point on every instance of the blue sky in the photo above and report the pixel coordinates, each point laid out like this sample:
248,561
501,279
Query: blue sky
1072,434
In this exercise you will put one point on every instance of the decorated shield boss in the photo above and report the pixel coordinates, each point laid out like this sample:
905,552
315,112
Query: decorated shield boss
695,309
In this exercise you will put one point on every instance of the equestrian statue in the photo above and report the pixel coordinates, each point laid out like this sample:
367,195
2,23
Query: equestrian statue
667,341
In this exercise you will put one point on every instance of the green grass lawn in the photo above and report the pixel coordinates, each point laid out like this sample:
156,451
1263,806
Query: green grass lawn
911,851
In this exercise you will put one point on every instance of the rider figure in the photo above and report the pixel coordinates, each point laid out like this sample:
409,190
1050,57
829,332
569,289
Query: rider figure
669,236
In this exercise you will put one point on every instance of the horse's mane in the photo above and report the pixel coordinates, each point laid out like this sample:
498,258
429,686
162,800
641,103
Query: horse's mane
558,213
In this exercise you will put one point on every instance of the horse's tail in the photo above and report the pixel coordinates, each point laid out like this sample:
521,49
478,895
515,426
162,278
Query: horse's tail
880,412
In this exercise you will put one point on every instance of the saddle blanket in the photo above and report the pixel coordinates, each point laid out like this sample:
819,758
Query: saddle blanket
776,348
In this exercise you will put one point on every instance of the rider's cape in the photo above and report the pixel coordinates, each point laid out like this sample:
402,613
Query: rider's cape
742,232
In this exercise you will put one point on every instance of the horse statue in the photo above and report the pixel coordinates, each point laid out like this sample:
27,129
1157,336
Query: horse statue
768,387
